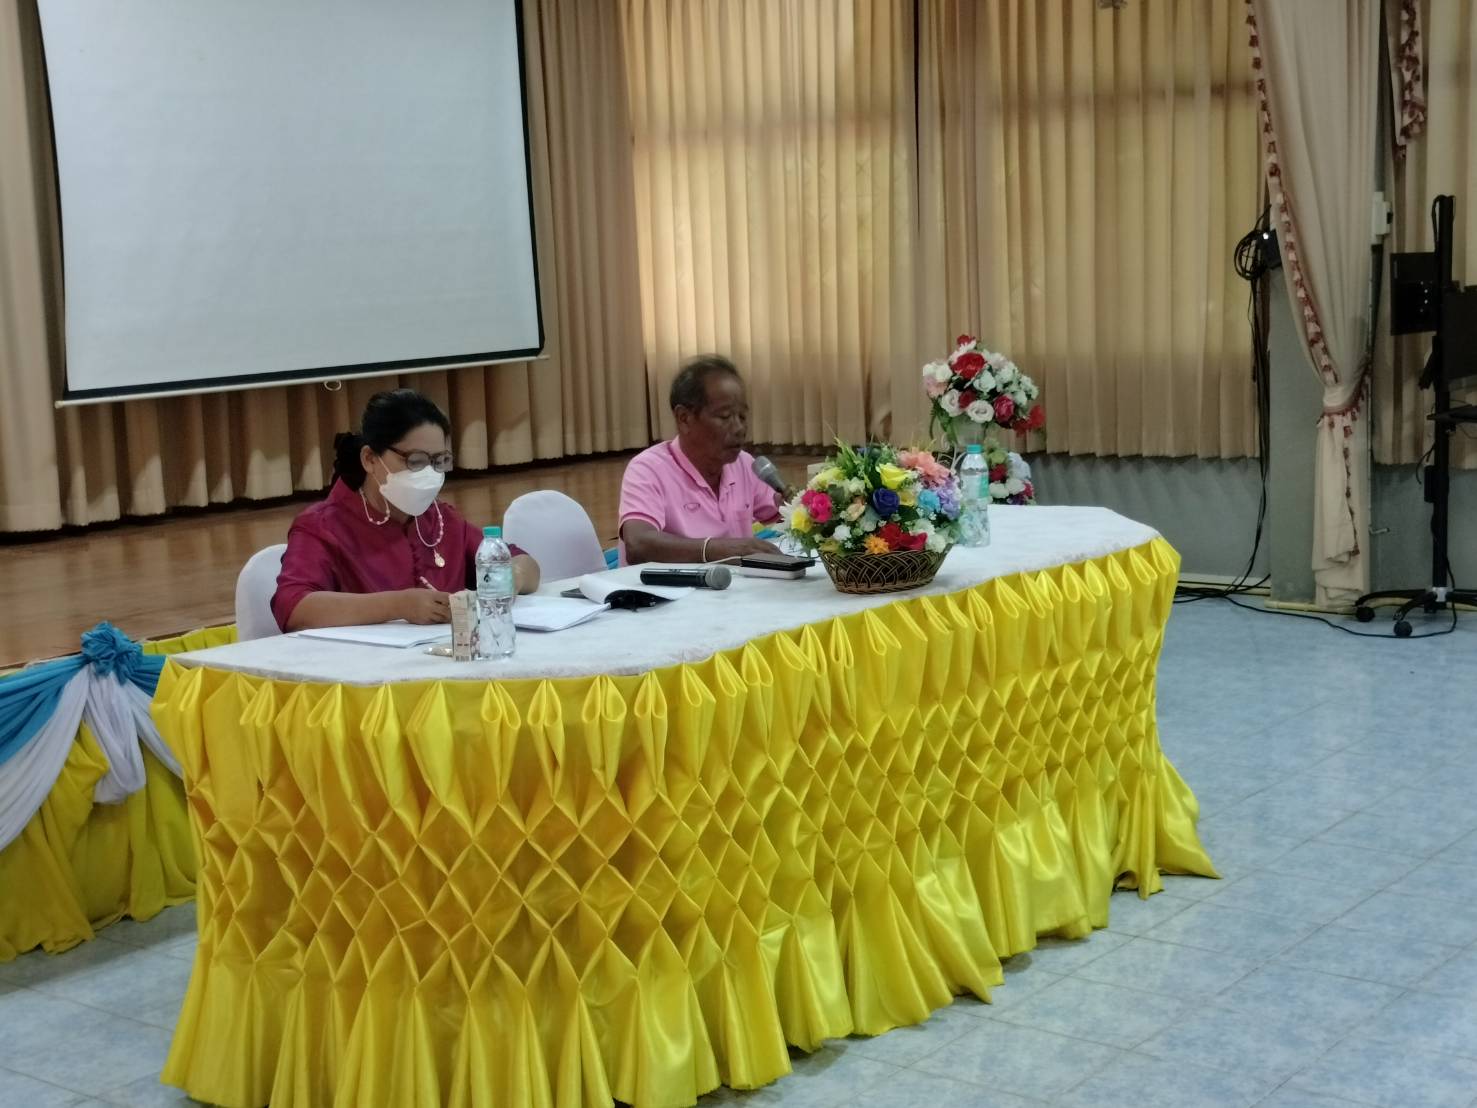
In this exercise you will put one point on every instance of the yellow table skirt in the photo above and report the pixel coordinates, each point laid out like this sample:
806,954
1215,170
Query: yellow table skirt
559,892
77,867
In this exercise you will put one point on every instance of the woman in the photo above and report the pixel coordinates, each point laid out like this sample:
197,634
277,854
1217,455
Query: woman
381,546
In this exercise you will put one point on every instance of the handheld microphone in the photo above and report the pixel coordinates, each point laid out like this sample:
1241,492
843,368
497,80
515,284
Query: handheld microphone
710,577
765,470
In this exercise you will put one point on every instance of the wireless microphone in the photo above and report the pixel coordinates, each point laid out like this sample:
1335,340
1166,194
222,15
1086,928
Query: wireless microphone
709,577
765,470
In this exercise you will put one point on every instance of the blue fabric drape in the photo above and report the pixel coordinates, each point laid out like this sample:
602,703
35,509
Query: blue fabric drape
28,698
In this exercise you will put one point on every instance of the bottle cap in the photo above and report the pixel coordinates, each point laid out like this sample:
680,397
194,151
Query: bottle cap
492,532
976,448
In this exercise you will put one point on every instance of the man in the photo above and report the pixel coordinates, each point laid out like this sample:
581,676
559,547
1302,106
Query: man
695,498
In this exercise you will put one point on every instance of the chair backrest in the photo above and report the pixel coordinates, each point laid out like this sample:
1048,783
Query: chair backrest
557,532
254,590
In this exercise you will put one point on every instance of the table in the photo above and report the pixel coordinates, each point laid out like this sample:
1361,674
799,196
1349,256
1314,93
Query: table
645,855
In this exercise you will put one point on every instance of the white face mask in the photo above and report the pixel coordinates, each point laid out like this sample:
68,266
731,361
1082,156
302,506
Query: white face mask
412,492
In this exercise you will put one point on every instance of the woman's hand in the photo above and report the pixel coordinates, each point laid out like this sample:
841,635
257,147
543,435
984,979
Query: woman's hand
424,606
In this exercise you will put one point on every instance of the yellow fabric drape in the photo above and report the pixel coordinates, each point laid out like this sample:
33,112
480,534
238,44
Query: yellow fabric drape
141,458
559,892
774,202
78,867
1085,176
1441,159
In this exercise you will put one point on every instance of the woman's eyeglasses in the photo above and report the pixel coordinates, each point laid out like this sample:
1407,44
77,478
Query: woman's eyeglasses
417,460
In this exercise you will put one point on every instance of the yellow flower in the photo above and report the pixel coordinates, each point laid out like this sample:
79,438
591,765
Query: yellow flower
893,476
825,478
876,544
908,497
830,546
800,520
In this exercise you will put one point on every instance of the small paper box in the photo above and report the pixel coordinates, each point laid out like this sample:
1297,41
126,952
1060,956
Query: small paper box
464,625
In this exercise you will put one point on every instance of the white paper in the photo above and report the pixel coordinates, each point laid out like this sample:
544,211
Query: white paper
553,613
599,586
399,634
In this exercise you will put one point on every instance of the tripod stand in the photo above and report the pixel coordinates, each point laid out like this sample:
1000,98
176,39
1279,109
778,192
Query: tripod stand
1453,311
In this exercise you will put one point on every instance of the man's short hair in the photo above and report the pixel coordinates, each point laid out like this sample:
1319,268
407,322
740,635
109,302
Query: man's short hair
690,386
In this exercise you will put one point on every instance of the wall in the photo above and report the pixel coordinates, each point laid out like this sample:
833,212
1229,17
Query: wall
1297,402
1205,508
1401,521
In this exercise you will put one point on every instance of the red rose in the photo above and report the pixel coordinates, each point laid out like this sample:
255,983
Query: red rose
1004,410
893,536
969,364
968,374
1029,491
1037,418
968,397
964,340
999,473
917,542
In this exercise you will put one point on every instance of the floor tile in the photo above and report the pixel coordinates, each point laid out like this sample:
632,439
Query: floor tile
1065,955
1400,833
148,1092
1368,956
26,1092
829,1077
1128,914
1168,968
1341,1003
1438,880
1099,1013
1231,931
904,1046
1423,1021
1355,868
1370,1073
1455,977
1299,899
1289,1097
170,925
1020,985
1265,1045
1020,1060
117,1051
137,980
910,1089
1138,1081
1413,917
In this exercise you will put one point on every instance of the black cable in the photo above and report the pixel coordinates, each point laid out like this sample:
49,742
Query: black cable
1340,626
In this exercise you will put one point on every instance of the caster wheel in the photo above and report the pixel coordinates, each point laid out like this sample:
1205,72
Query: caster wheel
1364,613
1402,629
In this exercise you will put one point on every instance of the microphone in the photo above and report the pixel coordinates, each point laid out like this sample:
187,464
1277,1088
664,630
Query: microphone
765,470
710,577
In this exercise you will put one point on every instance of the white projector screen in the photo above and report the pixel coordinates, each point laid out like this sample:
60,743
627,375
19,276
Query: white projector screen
265,190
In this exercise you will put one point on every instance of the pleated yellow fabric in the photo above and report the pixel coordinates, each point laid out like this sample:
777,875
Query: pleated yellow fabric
554,893
78,867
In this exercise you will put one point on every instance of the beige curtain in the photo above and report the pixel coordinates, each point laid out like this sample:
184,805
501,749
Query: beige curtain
1442,158
143,457
774,198
1086,175
1318,64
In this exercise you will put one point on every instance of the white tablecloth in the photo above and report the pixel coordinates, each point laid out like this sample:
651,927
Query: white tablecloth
695,627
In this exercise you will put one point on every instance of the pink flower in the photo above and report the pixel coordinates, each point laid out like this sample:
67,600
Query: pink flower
934,387
1004,409
817,503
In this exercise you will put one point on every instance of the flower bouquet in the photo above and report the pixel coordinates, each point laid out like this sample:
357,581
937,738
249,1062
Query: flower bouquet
880,518
975,392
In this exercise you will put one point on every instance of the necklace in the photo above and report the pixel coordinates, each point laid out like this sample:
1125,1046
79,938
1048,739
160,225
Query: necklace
377,522
436,542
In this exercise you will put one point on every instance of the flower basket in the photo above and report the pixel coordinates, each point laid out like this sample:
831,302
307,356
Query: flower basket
870,574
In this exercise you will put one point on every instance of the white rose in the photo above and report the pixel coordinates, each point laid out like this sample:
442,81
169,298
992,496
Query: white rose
1014,486
981,412
996,361
937,542
1018,394
984,381
949,402
869,521
842,533
997,491
942,373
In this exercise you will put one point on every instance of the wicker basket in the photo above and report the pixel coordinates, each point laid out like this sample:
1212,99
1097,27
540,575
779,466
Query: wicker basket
869,574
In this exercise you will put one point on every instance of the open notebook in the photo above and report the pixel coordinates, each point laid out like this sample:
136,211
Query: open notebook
530,613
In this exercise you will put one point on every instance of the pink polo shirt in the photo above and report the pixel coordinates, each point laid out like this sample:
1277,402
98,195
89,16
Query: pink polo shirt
664,489
334,546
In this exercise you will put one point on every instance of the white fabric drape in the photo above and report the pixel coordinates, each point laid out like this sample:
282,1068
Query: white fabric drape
1318,76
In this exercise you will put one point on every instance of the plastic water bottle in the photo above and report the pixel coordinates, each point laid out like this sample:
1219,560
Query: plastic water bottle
974,498
496,634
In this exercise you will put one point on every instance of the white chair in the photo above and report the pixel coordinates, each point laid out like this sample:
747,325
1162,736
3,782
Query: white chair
254,589
556,531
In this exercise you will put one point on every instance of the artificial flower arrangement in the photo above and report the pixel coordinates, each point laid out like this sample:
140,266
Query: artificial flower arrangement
976,391
876,499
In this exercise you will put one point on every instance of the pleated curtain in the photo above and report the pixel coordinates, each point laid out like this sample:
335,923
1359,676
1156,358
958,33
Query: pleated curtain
85,465
1085,176
1440,158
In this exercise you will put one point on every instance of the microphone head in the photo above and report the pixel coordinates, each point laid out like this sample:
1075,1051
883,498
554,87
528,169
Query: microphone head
717,577
765,470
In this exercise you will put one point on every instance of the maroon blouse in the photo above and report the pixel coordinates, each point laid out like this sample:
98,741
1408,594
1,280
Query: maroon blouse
333,546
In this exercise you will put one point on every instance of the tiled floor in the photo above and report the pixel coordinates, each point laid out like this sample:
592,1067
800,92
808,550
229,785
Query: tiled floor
1336,964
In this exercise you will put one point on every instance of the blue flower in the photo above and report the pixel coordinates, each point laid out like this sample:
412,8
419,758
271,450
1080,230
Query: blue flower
885,501
949,501
928,501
